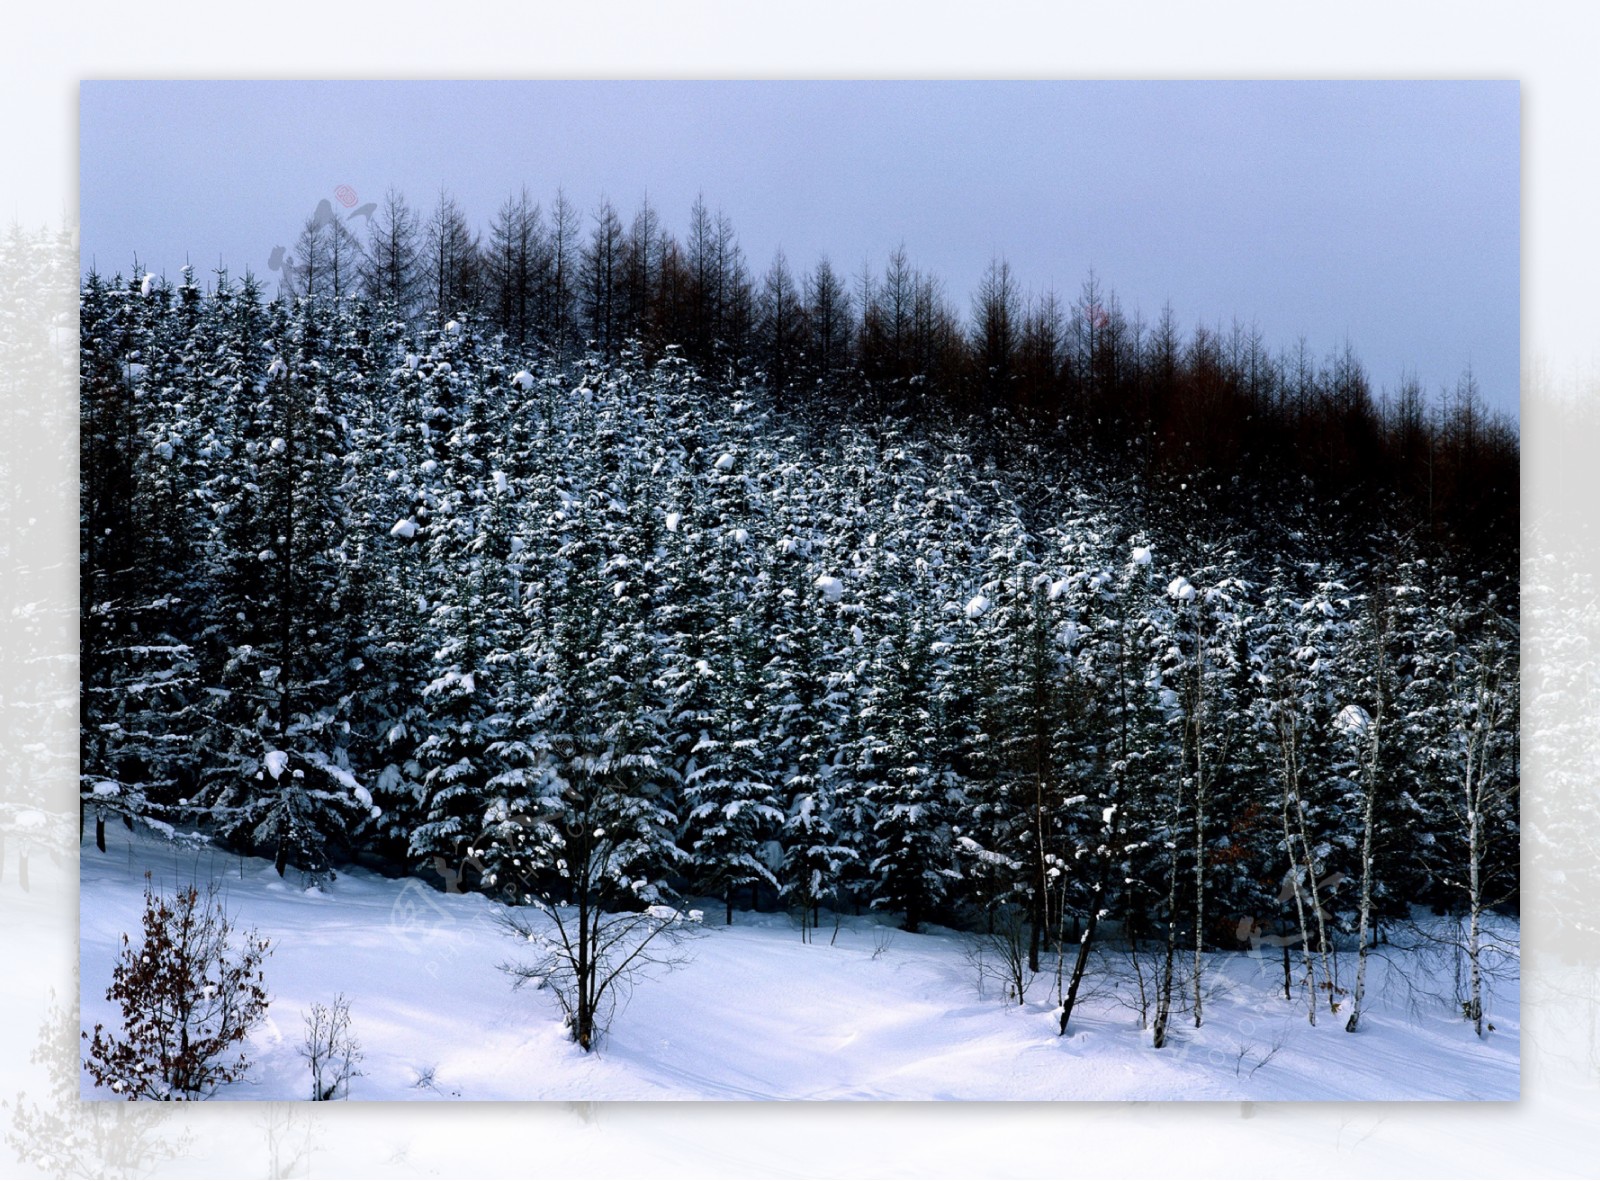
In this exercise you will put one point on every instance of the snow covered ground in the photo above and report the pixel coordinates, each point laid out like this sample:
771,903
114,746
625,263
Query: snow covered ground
757,1014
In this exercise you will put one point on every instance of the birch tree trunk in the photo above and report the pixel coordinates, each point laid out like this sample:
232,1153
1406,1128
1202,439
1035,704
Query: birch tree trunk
1366,899
1300,910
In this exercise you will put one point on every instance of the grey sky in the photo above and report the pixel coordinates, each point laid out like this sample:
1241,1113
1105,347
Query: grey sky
1385,213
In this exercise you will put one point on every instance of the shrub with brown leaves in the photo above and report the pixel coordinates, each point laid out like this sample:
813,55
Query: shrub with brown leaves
190,994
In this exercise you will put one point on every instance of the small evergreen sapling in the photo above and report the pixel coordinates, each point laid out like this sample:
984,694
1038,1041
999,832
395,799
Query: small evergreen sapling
189,993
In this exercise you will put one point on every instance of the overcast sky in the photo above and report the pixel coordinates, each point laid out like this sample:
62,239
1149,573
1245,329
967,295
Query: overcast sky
1382,213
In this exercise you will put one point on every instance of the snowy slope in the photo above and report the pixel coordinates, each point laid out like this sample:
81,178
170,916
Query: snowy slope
757,1014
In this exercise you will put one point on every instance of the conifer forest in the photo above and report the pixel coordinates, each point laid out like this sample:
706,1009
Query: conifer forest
581,565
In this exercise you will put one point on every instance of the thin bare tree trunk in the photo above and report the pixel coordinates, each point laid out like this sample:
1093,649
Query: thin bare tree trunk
1300,911
1474,895
1082,961
1199,815
1366,913
1477,799
1316,899
1164,990
1368,809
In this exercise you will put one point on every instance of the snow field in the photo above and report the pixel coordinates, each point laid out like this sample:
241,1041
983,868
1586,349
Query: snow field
757,1014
